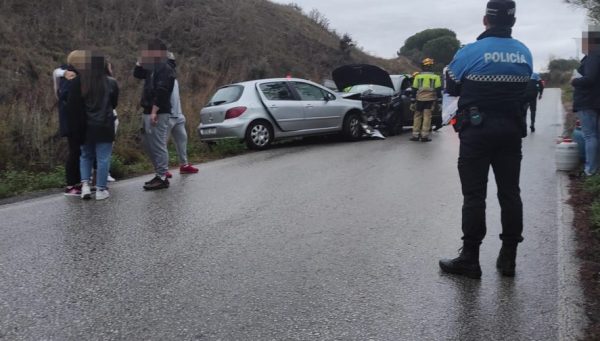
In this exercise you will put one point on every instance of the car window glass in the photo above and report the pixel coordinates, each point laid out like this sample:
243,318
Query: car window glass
276,91
309,92
372,89
228,94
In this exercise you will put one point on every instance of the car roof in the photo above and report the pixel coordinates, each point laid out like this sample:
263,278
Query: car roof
266,80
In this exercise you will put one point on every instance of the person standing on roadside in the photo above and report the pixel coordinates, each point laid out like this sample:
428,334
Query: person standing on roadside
586,98
533,93
62,78
426,94
159,79
92,99
490,76
177,125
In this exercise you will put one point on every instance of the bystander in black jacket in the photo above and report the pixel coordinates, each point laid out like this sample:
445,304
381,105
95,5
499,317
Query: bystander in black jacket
92,122
158,86
587,88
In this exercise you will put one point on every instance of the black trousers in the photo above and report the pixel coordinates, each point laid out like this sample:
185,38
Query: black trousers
532,105
73,175
496,143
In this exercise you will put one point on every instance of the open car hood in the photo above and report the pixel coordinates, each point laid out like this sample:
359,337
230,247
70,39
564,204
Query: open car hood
355,74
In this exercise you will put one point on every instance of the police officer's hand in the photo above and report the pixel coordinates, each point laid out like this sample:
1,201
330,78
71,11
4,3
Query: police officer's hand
413,106
540,98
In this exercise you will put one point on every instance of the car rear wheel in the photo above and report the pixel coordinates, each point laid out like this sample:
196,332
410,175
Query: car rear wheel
352,129
259,135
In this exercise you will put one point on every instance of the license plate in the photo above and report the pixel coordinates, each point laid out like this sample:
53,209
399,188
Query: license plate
208,131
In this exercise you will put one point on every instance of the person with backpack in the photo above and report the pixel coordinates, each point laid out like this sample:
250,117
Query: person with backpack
62,78
92,98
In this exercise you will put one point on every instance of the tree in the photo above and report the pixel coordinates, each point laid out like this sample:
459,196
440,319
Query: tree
438,43
593,7
442,50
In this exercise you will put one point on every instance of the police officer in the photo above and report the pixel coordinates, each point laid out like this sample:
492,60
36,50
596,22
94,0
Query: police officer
490,76
533,92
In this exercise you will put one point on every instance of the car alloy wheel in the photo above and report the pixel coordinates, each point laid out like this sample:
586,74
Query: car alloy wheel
352,129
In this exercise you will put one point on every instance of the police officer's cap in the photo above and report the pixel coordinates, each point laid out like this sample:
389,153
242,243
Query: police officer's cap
501,12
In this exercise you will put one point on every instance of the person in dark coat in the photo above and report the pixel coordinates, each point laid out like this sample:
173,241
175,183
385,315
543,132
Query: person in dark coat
92,99
62,78
533,93
586,98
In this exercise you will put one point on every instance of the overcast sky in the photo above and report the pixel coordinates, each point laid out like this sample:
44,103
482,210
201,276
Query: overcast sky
547,27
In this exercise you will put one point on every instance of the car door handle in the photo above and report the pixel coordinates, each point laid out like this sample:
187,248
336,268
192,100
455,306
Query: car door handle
273,106
309,106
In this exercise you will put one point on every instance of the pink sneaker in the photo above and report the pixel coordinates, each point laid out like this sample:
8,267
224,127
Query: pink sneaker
73,191
188,169
168,175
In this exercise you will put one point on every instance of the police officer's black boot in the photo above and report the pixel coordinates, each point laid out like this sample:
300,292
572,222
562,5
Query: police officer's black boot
506,262
466,264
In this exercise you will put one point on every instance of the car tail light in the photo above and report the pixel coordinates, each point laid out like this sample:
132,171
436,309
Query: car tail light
235,112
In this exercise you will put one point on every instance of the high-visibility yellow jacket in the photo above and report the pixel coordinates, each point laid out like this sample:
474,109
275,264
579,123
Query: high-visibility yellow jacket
427,86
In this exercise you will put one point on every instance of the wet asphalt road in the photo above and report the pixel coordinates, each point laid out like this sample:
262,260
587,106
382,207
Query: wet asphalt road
328,241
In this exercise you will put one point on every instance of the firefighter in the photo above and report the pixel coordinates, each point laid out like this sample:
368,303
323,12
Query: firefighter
490,76
426,94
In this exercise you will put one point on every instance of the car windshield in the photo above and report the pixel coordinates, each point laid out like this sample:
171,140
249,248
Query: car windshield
225,95
374,89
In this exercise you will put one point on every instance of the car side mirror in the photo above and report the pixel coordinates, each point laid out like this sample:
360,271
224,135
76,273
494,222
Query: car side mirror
329,97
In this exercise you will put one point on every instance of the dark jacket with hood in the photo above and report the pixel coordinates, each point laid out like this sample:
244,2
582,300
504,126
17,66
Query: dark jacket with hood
158,86
587,88
92,121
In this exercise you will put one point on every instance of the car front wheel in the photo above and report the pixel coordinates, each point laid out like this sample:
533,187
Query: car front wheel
352,129
259,135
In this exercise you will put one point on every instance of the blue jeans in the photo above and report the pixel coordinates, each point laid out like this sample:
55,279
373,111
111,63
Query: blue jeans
589,126
101,152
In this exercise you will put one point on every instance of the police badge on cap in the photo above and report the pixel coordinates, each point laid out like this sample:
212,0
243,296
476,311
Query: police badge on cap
501,12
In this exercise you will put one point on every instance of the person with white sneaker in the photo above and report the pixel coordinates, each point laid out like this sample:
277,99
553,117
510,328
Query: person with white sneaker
92,99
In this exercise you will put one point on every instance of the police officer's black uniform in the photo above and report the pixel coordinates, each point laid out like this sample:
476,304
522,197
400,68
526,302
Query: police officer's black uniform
490,76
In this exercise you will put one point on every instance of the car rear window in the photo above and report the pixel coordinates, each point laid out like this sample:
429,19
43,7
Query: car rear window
225,95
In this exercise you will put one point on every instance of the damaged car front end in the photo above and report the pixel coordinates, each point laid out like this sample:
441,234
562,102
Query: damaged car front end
384,104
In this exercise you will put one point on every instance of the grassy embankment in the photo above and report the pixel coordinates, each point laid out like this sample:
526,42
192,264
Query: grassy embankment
14,182
585,200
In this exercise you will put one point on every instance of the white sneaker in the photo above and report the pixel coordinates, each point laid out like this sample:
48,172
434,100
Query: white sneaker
110,178
102,194
86,192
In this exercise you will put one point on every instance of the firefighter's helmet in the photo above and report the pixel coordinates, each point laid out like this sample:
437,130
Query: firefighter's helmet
428,62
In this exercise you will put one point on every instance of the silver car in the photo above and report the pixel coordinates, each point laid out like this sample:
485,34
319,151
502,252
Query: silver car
261,111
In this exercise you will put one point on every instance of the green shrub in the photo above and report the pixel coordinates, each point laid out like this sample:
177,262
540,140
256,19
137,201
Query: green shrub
592,185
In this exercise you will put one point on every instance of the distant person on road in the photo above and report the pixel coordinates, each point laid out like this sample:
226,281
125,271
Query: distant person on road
586,98
159,80
533,93
62,78
490,76
92,99
177,126
426,94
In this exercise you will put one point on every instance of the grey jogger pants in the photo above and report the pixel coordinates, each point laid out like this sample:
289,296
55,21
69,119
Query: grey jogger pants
177,130
155,142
